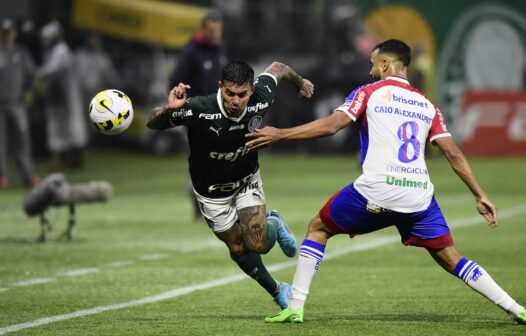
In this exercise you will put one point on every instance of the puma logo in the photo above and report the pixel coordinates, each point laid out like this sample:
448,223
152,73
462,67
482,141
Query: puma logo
215,130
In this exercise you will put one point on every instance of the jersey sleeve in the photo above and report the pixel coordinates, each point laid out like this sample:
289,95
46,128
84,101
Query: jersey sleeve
265,87
186,114
438,127
355,104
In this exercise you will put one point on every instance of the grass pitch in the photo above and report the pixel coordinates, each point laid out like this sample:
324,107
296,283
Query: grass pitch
139,265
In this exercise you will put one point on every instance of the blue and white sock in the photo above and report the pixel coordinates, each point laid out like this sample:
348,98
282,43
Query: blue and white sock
477,278
310,257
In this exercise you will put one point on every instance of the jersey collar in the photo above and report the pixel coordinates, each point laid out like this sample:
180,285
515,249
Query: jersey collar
399,79
220,103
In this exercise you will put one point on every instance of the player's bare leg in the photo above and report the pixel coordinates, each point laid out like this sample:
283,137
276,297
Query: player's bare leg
233,240
477,278
246,259
447,257
261,229
253,223
318,232
249,237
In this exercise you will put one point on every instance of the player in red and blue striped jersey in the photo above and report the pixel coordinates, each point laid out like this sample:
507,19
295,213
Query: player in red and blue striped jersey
395,122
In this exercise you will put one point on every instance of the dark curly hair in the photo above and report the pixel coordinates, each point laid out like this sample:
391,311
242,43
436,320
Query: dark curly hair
237,73
397,48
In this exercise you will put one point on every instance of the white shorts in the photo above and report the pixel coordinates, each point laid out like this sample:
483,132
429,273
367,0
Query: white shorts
221,213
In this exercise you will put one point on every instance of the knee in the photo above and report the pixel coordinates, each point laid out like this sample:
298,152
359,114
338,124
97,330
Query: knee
236,250
264,249
260,248
260,238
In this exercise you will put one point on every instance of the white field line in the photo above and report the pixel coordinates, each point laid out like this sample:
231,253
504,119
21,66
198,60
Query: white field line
463,222
31,282
78,272
454,198
120,263
155,256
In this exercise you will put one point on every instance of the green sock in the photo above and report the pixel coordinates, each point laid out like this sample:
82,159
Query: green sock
252,265
272,231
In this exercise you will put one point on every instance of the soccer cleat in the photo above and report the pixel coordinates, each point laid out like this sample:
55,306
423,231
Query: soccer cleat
283,297
520,318
286,239
286,316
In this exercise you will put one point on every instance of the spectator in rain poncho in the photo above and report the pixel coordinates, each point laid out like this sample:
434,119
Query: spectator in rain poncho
16,70
94,68
66,123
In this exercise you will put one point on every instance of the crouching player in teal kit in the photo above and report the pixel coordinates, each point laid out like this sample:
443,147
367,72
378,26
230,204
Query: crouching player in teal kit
225,175
395,122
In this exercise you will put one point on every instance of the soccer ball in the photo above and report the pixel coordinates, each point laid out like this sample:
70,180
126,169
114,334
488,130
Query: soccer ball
111,112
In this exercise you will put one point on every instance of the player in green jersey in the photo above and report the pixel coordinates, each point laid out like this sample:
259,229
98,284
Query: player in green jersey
225,175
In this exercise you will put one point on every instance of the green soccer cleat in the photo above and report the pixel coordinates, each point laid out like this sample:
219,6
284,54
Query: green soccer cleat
520,318
286,316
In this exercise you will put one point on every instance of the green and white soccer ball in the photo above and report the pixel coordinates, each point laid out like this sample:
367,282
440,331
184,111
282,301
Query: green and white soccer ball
111,112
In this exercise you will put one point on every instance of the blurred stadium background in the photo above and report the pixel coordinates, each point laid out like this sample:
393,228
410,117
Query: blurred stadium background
469,57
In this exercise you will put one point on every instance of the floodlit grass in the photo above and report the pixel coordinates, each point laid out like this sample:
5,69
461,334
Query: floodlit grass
144,242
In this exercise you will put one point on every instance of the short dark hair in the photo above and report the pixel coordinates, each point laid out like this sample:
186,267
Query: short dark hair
396,47
237,73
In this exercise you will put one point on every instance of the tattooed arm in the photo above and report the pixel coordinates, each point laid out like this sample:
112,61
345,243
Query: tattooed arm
158,118
282,71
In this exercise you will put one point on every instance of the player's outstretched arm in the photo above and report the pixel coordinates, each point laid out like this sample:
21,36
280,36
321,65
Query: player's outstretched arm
460,165
315,129
282,71
158,118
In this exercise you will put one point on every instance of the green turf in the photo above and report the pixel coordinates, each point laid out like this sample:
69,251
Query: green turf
148,228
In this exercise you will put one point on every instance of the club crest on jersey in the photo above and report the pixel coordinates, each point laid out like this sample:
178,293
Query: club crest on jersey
254,123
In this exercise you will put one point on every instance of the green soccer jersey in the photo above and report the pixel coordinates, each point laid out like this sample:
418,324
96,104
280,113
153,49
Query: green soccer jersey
219,162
